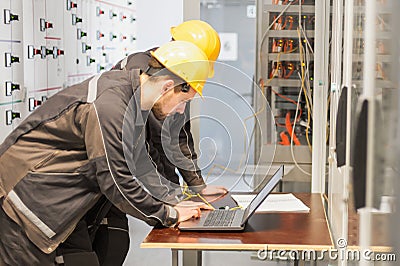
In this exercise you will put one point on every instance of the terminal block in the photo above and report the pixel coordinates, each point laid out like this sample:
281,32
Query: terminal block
10,116
9,17
10,87
10,59
45,25
76,19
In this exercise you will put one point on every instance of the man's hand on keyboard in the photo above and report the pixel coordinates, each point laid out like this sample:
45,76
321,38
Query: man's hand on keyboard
190,209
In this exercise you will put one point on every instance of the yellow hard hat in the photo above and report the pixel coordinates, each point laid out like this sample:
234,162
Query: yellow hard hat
201,34
185,60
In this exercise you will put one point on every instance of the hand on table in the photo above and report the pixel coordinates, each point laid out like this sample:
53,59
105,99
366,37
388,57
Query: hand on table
190,209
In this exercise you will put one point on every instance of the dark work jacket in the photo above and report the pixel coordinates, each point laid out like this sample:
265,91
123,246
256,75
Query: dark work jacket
183,155
78,145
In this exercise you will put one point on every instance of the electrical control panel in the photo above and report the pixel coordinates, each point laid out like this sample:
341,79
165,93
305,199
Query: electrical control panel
48,45
12,95
289,43
287,67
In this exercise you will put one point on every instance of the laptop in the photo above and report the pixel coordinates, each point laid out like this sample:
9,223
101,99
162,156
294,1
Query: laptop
232,220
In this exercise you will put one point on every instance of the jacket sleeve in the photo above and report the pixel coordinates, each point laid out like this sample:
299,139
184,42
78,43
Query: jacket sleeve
191,173
102,131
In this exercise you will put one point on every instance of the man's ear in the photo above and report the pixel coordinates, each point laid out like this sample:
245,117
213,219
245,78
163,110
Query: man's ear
167,85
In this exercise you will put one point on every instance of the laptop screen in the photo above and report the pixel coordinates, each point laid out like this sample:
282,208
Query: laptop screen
264,192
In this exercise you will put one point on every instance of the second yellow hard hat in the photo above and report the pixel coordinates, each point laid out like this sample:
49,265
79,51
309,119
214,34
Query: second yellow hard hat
201,34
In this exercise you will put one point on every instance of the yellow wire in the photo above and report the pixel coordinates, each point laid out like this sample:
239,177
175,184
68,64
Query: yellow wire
204,200
304,89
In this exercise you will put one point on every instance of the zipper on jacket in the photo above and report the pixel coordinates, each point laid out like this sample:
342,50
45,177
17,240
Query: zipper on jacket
45,160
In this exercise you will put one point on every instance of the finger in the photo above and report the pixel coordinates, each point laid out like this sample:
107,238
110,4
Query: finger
196,213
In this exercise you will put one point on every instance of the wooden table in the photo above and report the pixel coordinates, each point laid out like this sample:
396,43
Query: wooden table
276,231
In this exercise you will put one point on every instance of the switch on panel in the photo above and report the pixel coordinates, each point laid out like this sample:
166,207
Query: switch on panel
99,35
100,68
45,25
57,52
85,47
80,34
99,11
32,51
8,16
89,60
49,51
10,87
10,59
112,36
10,116
33,104
71,4
112,14
75,19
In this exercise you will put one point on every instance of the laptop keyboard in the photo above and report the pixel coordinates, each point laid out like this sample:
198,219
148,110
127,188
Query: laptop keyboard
220,218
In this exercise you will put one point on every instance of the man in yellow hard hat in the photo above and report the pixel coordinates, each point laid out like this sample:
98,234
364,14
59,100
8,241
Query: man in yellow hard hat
87,141
108,225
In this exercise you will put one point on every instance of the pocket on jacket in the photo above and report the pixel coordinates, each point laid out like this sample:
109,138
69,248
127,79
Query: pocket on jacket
44,161
56,198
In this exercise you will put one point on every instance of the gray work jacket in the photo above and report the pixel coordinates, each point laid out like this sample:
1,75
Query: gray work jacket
58,162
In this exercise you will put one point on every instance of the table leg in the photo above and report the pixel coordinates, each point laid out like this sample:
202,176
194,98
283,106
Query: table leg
174,257
192,257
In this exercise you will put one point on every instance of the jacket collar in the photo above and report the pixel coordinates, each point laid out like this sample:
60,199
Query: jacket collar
141,116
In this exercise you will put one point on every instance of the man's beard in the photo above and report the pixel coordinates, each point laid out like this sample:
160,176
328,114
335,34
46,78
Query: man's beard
158,112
